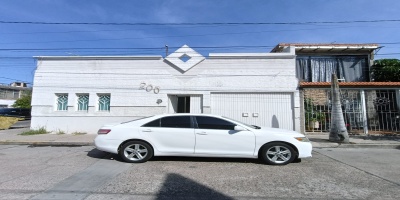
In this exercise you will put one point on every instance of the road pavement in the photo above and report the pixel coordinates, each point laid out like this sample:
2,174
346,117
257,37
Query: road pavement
46,172
382,163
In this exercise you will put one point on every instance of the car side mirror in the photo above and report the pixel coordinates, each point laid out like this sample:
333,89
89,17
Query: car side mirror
240,128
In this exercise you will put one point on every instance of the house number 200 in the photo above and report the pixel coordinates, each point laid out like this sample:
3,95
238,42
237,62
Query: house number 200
148,88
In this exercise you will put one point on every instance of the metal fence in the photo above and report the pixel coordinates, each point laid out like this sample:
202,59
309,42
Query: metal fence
364,110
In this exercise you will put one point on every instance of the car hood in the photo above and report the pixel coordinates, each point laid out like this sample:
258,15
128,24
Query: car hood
268,130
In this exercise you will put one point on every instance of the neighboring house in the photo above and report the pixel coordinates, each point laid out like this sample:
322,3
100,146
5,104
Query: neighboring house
81,93
10,93
368,106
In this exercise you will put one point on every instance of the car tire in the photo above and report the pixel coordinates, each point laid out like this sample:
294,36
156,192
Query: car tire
278,153
136,152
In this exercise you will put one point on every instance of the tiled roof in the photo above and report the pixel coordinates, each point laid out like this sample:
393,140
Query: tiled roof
351,84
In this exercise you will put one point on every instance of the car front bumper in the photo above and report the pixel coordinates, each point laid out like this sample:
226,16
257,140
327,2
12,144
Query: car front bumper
305,149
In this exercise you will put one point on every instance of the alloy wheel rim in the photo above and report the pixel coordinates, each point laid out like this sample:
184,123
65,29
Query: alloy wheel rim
135,152
278,154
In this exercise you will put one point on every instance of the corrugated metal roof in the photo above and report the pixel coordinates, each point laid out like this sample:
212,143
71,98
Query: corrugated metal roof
328,44
326,47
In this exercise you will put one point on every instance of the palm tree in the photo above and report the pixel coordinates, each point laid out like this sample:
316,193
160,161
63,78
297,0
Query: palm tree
338,132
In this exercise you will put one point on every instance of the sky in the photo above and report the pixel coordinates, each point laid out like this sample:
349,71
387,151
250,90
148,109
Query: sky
30,28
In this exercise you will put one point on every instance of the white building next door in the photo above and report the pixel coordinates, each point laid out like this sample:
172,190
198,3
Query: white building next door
272,109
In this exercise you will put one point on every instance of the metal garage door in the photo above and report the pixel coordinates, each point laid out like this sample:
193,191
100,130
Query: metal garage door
262,109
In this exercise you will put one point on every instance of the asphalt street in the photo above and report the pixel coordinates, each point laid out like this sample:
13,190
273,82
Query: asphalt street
85,173
381,163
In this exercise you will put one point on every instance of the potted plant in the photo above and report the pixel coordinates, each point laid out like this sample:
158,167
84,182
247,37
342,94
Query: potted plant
313,117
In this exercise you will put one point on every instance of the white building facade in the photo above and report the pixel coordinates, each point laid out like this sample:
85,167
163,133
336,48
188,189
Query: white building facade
81,93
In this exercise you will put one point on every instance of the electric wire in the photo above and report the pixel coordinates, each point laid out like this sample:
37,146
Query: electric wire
197,23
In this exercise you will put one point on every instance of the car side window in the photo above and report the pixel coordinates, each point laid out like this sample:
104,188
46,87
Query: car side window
214,123
176,122
155,123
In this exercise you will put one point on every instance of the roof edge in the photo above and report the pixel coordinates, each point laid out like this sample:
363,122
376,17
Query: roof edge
143,57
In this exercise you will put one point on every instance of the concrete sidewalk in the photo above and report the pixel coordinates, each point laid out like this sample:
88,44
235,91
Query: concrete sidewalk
11,136
356,141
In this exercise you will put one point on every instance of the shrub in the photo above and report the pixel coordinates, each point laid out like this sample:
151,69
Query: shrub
78,133
41,130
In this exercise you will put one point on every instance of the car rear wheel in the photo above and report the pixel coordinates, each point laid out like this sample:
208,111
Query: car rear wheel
136,152
278,153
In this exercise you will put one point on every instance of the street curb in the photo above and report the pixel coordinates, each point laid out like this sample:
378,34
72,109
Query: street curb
64,144
358,146
378,146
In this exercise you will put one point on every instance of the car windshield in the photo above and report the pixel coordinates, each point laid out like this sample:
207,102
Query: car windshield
252,126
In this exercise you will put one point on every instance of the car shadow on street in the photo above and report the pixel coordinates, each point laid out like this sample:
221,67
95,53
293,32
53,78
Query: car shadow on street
178,187
204,159
95,153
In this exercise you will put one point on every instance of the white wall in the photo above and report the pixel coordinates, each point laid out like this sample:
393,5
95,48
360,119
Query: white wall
122,77
9,103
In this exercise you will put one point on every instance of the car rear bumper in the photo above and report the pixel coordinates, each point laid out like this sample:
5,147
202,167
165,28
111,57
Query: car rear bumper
107,145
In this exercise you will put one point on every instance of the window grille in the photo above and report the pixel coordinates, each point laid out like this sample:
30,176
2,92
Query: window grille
104,102
83,102
62,101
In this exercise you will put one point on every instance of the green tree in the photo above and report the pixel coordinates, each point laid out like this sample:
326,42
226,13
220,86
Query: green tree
23,102
386,70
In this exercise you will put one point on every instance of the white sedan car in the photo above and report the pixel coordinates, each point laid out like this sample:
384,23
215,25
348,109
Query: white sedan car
200,135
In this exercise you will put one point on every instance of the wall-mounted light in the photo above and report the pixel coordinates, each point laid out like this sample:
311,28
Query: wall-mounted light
159,101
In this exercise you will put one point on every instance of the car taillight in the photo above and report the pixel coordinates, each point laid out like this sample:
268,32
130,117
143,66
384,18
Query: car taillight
103,131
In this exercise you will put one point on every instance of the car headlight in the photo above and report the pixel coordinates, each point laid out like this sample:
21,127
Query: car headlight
302,139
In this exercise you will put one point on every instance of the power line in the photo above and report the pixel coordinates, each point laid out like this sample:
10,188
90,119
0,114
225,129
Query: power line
197,23
131,48
14,79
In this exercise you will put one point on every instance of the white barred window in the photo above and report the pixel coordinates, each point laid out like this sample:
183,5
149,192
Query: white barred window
62,101
83,101
104,102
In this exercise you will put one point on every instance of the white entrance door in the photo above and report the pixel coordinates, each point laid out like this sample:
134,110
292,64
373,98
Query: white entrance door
192,103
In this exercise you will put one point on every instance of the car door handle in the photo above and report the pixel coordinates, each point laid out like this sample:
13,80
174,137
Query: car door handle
147,130
202,133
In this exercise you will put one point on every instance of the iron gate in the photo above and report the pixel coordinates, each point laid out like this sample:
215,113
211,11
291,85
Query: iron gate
364,111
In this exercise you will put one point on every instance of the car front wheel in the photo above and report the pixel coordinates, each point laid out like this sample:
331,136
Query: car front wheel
136,152
278,153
